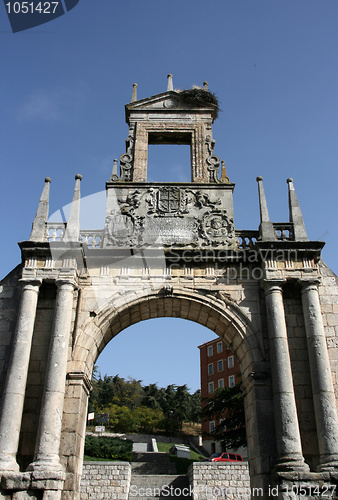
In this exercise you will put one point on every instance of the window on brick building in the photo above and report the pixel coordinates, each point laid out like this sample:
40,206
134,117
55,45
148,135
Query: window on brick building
231,380
212,426
220,365
210,369
219,346
211,387
230,362
210,350
221,382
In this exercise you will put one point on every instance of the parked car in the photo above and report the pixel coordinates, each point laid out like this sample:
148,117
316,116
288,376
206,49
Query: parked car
224,457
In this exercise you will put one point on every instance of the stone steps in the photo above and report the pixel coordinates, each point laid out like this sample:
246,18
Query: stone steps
150,457
154,487
153,468
152,463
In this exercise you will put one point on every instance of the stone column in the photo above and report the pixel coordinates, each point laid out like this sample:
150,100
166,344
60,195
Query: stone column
323,393
289,448
49,432
15,387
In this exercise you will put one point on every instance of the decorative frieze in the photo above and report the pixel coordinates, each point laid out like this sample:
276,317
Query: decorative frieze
169,216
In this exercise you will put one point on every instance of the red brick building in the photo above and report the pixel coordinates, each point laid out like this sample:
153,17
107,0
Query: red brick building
219,368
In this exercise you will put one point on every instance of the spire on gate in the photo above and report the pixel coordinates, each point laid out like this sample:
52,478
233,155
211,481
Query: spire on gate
73,224
296,216
170,82
134,96
38,232
266,226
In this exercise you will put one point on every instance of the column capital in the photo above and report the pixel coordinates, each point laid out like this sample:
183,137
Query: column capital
66,283
30,283
271,286
309,284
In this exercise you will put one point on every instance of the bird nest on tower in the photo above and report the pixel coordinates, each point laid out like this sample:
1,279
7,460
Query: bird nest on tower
201,98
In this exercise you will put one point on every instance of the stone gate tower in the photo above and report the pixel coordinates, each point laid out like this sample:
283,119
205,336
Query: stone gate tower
169,249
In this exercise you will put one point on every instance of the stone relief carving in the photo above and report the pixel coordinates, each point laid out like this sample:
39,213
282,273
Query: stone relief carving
130,203
126,160
169,216
203,200
175,201
124,229
212,160
217,228
168,201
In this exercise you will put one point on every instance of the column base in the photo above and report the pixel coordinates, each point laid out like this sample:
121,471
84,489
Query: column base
328,466
8,463
50,466
15,480
34,485
291,464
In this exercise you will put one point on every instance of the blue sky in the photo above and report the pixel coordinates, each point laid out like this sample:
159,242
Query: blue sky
272,64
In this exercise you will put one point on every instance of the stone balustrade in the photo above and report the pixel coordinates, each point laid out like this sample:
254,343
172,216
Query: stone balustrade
55,231
283,231
92,239
246,239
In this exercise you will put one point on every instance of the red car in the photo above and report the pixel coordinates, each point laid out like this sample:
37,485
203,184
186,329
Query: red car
225,457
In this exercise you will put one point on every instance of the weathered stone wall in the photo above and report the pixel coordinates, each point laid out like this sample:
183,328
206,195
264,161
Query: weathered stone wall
328,294
219,480
9,304
111,298
105,480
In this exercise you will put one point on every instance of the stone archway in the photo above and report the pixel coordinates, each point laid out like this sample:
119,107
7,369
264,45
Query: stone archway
169,250
214,311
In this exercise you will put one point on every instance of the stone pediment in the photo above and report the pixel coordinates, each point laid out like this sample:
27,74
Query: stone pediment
169,100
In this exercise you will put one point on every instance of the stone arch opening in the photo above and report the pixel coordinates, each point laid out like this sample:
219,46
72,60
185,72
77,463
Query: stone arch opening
152,359
224,318
218,314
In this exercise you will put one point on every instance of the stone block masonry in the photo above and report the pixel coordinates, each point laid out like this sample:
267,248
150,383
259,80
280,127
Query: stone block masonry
111,480
214,481
105,481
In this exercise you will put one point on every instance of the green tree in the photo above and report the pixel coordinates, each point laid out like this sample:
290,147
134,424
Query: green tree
175,403
227,405
120,417
115,390
194,414
147,419
151,397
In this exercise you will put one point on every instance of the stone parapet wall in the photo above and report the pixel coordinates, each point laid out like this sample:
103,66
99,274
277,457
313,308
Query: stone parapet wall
105,480
213,481
328,293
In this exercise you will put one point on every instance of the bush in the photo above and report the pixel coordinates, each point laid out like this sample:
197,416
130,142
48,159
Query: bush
109,448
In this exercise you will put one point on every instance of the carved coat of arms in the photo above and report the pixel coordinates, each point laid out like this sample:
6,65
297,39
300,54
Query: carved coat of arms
168,201
217,228
123,229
